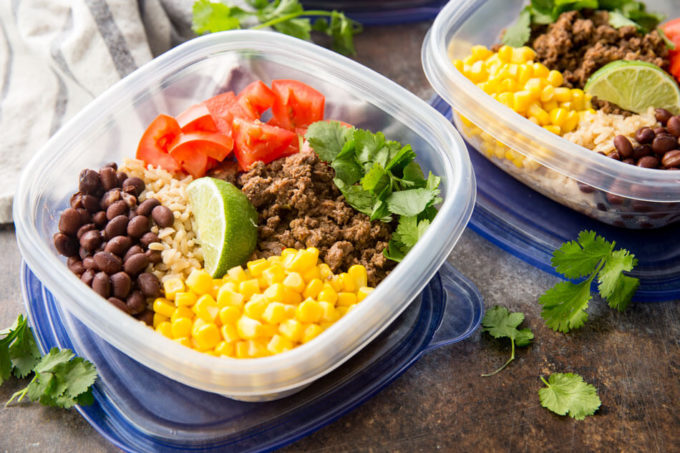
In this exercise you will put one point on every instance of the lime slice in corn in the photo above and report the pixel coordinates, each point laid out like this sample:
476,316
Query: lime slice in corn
226,224
635,86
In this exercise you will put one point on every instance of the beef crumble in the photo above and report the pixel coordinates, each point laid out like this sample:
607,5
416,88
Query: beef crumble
299,206
581,42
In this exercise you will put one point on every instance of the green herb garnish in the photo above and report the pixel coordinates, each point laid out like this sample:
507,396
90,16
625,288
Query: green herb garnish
284,16
567,393
380,178
565,304
500,323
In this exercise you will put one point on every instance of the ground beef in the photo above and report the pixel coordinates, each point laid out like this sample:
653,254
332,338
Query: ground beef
299,206
609,107
581,42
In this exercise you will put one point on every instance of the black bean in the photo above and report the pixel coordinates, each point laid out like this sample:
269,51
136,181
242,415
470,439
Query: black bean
109,198
100,219
671,158
109,178
614,155
116,208
135,249
129,199
585,188
137,226
662,115
663,143
673,125
76,200
108,262
89,182
154,256
146,206
623,146
65,244
91,240
75,265
116,227
641,151
660,130
101,284
121,284
112,165
146,317
134,264
614,199
91,203
136,302
83,253
644,135
133,185
70,221
149,284
122,176
118,304
84,229
648,162
90,263
118,245
629,161
162,216
148,238
85,216
87,277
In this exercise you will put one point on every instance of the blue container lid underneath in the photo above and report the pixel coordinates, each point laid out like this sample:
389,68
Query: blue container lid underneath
532,226
382,12
138,409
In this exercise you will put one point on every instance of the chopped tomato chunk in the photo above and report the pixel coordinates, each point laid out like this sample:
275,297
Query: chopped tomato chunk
212,144
220,108
154,144
255,141
296,104
196,118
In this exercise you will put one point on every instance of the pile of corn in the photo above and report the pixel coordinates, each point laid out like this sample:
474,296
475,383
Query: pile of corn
511,77
271,306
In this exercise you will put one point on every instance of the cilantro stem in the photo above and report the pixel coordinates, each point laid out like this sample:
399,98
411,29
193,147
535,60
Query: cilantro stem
512,357
544,381
291,16
21,393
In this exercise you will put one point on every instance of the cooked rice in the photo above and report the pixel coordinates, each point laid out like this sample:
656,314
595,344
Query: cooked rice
178,244
596,131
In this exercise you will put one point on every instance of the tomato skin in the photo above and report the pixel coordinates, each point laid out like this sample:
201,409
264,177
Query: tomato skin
255,141
196,118
296,105
219,107
672,30
155,142
253,101
213,144
191,160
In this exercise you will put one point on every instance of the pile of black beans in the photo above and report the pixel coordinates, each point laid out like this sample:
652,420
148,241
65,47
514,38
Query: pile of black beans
657,147
106,233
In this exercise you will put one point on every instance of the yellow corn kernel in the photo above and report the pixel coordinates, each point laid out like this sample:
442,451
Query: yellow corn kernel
256,306
257,348
181,327
290,311
571,123
505,54
477,72
313,288
552,128
550,105
198,323
294,281
303,260
577,99
351,307
172,286
291,329
487,87
275,292
359,274
207,336
229,314
229,333
241,350
237,274
345,299
524,73
325,271
274,313
199,281
279,344
288,251
540,115
533,119
184,341
562,94
158,318
308,311
273,274
311,332
182,312
257,266
506,98
533,86
363,292
521,101
291,297
523,54
547,93
508,85
275,259
567,105
185,298
327,294
249,287
558,116
347,283
328,312
480,52
540,70
458,64
228,297
248,328
163,306
224,348
336,283
555,78
469,60
311,274
341,311
206,308
165,329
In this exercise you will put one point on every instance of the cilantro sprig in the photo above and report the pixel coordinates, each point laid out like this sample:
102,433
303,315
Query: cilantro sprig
380,178
500,323
284,16
590,256
567,393
60,380
542,12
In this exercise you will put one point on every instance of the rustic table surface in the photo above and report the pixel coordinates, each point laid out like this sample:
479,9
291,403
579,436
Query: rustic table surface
441,402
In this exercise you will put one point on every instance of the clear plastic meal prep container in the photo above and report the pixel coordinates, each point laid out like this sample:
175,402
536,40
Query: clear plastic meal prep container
109,128
600,187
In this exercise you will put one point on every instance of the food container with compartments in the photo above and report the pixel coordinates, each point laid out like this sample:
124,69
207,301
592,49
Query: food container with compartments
613,192
109,128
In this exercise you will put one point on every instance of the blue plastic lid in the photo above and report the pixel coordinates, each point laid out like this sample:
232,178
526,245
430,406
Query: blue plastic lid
531,226
382,12
138,409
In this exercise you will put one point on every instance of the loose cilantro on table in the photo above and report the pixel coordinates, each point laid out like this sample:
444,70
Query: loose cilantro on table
544,12
284,16
567,393
380,178
500,323
60,379
565,304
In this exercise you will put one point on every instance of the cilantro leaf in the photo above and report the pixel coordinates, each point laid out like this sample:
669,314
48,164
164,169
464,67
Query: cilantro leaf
327,138
618,20
5,363
410,202
518,33
623,292
209,17
578,258
565,304
618,262
567,393
24,352
500,323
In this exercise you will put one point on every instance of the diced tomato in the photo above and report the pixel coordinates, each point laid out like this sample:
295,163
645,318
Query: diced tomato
255,141
672,30
212,144
253,101
197,118
674,69
296,104
220,108
192,160
154,144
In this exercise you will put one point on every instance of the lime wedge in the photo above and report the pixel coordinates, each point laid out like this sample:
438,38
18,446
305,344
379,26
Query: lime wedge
635,86
226,224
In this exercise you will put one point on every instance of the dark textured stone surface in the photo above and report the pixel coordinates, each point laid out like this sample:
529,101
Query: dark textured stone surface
442,403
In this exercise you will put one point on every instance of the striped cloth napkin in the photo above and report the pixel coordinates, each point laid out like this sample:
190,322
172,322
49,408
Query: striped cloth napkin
58,55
